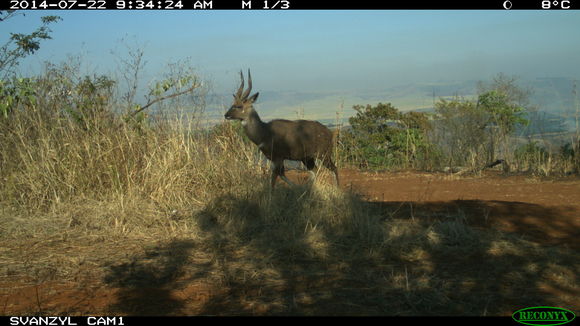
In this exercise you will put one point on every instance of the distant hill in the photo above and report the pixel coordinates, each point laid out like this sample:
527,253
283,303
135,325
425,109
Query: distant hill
550,95
553,94
542,122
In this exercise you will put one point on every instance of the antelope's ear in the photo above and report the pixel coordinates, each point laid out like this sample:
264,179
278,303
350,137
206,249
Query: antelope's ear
254,97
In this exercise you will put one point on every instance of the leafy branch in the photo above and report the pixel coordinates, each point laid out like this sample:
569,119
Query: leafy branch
164,86
21,45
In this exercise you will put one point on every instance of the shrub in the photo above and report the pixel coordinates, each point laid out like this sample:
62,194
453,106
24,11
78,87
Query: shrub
382,137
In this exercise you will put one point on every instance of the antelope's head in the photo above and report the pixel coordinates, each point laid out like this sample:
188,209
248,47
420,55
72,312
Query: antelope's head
242,106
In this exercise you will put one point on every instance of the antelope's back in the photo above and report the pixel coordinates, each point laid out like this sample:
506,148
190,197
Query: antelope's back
301,139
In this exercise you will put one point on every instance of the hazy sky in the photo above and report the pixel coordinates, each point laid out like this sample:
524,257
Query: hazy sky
320,50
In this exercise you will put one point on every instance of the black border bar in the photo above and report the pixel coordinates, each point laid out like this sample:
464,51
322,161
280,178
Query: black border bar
142,5
257,320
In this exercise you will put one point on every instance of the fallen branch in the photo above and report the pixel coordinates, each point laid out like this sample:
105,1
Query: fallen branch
458,170
490,165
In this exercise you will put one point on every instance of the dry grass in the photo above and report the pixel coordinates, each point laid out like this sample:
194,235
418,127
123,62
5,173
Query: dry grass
162,206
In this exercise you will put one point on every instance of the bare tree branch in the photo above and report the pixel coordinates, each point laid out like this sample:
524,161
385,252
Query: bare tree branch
159,99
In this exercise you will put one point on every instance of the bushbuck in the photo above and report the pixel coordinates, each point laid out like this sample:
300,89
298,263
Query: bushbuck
279,140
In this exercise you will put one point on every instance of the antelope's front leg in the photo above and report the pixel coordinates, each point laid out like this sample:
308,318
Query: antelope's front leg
278,170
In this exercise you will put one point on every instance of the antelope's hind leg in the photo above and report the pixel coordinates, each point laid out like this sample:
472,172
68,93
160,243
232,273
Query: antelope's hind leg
330,165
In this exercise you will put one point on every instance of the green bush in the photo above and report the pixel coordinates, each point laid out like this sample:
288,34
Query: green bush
383,137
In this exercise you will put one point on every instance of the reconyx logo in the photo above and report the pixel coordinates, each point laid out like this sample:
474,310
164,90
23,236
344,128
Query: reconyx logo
543,316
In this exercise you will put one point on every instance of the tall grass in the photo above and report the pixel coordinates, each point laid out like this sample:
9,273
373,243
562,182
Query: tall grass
147,177
48,161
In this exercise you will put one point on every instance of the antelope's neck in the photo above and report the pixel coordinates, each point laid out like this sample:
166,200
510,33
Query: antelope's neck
256,130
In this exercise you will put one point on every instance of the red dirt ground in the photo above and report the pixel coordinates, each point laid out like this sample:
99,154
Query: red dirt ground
542,211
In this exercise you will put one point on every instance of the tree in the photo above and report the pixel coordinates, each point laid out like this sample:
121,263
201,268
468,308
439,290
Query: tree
22,45
506,105
477,132
460,131
382,137
16,90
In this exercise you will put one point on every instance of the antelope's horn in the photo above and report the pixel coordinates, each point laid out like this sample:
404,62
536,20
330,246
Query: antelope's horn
247,92
239,93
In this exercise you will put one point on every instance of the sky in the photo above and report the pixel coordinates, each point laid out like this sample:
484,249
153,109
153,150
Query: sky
315,50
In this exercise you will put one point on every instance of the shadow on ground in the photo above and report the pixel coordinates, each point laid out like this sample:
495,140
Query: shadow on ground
147,282
533,222
305,252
